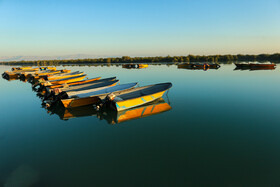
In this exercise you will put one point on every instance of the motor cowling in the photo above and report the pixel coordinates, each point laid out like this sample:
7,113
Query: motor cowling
110,97
57,91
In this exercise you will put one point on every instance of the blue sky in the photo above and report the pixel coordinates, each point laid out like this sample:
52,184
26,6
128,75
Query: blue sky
139,28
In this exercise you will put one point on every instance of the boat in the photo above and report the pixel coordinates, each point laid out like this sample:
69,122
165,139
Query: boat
255,65
46,74
30,68
50,77
135,97
75,83
75,91
62,75
48,87
135,66
95,96
141,66
66,79
199,66
256,68
48,68
15,74
115,117
54,79
27,75
82,86
21,68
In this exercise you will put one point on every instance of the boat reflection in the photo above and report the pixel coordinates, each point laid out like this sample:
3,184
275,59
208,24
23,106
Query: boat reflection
10,79
199,66
156,107
69,113
112,117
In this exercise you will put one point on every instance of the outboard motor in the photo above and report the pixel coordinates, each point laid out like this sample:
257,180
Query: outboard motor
107,103
54,93
62,95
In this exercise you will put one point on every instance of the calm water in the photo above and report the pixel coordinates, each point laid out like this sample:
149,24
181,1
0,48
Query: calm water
223,130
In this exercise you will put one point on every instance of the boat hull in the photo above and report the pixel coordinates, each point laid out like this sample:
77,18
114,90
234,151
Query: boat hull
131,103
97,96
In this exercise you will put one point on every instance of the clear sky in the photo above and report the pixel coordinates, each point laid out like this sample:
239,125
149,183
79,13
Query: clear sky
139,27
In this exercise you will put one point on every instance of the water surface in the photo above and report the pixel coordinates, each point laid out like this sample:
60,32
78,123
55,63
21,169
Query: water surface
223,130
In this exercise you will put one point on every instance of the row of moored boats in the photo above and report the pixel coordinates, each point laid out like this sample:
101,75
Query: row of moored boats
73,89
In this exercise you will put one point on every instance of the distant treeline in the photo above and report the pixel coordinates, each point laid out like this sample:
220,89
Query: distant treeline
158,59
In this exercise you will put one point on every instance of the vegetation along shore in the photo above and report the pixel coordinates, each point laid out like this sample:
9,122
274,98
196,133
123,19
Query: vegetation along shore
158,59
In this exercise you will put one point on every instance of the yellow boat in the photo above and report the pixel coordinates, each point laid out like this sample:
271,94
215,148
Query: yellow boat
16,73
39,75
21,68
43,74
34,78
28,75
140,66
75,83
65,80
136,97
63,75
48,68
77,99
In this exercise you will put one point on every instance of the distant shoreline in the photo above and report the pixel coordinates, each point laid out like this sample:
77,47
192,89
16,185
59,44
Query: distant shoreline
223,59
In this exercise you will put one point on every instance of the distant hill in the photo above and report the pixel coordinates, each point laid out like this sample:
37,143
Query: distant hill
32,58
